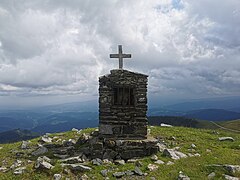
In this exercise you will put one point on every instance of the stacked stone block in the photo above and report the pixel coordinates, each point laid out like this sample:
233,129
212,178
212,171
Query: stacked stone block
123,121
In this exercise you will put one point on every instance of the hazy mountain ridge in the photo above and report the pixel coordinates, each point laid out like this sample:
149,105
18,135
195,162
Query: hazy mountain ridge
63,117
17,135
213,114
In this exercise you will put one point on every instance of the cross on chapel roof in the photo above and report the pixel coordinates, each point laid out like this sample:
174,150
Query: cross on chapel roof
120,56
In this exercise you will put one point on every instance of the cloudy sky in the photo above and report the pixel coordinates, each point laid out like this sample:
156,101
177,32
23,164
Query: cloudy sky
53,51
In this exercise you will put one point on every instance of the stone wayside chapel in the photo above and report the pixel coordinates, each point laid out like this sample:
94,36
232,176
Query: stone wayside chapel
123,105
122,115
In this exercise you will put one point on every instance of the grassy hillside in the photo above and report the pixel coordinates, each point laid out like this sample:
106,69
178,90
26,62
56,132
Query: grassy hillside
235,124
213,114
212,151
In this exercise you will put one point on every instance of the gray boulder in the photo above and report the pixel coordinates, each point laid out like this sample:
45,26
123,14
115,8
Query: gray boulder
3,169
77,167
226,139
72,160
174,154
159,162
19,170
138,171
41,150
211,175
46,139
182,176
118,174
97,162
25,145
152,167
57,176
104,172
230,177
154,157
232,168
43,163
119,162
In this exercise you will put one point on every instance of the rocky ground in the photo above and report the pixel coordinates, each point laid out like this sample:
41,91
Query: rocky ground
184,153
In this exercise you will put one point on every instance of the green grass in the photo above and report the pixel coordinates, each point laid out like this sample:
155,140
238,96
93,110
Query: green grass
234,124
194,167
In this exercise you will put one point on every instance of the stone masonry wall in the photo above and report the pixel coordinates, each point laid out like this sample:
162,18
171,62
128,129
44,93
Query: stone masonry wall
117,121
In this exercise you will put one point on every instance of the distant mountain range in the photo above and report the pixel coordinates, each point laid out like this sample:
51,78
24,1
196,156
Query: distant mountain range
16,135
64,117
213,114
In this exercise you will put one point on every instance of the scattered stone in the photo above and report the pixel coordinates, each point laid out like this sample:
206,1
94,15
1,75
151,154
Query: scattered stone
229,168
41,150
232,168
70,142
55,137
84,177
83,139
191,150
182,176
138,163
176,148
118,174
3,169
138,171
106,161
193,146
215,132
17,163
25,145
226,139
1,148
57,176
43,163
79,131
208,150
97,162
211,175
230,177
197,155
152,178
29,161
161,147
84,158
104,172
131,160
77,167
59,140
119,162
46,139
154,157
74,129
148,131
152,167
190,154
129,173
61,156
174,154
173,138
19,170
72,160
165,125
159,162
170,163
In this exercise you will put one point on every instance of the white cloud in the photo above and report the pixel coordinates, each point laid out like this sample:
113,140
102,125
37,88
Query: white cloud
61,47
